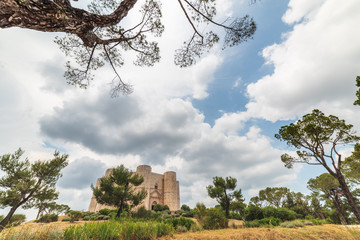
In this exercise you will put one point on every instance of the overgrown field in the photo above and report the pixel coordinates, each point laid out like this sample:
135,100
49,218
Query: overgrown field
328,232
112,230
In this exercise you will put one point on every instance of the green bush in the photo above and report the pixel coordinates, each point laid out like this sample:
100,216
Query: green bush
191,214
271,221
179,212
285,214
235,215
181,229
158,208
67,219
252,224
50,217
253,212
215,219
318,221
105,211
75,215
292,224
87,218
185,222
17,219
195,228
165,207
185,208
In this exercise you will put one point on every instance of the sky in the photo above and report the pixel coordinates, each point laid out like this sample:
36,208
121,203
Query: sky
216,118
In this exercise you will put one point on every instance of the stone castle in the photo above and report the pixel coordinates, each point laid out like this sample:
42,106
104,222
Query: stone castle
161,189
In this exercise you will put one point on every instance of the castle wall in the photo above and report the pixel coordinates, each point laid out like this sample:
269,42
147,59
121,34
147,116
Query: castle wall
161,189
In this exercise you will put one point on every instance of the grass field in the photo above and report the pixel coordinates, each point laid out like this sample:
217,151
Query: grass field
329,232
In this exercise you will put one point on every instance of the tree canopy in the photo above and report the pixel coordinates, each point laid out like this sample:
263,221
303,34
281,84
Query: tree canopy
318,138
351,165
26,182
118,189
274,196
100,34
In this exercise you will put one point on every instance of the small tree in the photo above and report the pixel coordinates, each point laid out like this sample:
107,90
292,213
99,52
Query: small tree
200,212
23,182
330,188
118,189
43,201
317,137
220,191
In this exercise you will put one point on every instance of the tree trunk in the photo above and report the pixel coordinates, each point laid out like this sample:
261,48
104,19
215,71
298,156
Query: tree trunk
56,16
337,204
348,195
120,208
322,216
5,221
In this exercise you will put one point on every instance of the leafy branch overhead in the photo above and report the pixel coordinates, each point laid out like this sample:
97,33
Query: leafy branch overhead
99,35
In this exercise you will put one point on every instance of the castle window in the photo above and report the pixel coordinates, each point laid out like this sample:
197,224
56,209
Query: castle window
156,186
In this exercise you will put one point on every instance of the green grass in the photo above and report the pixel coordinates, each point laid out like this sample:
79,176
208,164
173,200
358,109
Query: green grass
111,230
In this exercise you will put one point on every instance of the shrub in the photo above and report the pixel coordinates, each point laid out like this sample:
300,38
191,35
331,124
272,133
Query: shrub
17,219
181,229
86,218
215,219
50,217
158,208
185,208
282,213
195,228
141,212
235,215
293,224
75,215
191,214
252,224
165,207
67,219
253,212
184,222
285,214
271,221
179,212
105,211
318,221
100,217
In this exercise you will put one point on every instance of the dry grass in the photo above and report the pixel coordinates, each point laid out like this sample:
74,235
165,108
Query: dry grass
44,231
328,232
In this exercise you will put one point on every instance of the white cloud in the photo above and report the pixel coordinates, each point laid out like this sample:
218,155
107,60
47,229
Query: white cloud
315,66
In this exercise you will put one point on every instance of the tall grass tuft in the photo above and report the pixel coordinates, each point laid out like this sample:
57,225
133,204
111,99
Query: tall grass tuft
111,230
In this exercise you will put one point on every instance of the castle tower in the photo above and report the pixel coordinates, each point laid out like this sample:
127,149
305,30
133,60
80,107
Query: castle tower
145,172
171,191
161,189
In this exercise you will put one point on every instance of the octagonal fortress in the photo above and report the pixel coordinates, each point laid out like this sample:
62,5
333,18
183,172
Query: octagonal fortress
161,189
